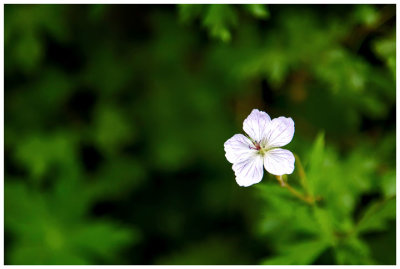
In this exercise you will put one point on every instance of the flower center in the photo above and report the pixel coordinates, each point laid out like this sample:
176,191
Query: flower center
259,148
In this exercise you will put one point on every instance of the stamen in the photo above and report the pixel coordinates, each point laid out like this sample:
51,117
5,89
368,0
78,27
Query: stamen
257,146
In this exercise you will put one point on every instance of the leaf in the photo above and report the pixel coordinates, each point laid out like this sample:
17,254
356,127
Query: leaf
39,153
190,12
102,239
219,19
285,216
111,129
44,233
32,254
22,207
116,179
385,48
324,220
317,150
298,253
29,52
388,183
315,161
353,251
377,215
259,11
366,14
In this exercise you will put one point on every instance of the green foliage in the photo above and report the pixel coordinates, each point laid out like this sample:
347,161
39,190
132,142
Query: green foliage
24,28
218,19
366,14
338,184
112,129
46,233
298,253
258,10
213,250
377,215
386,49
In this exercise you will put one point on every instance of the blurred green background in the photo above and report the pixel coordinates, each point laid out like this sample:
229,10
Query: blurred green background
116,115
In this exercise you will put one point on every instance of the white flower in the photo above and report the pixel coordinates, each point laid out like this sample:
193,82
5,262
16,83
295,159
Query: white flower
249,155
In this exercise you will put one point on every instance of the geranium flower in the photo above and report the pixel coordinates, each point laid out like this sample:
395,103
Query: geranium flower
261,148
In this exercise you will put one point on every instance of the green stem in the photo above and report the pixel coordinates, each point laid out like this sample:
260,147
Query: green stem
302,174
305,198
309,196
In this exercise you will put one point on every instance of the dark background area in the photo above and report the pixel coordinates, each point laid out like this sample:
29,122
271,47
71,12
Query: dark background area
116,115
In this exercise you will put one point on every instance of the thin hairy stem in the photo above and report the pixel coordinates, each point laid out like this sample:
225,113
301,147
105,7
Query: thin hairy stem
302,173
305,198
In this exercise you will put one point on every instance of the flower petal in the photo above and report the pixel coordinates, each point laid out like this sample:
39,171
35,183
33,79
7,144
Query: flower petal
237,148
280,132
255,125
249,171
279,162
